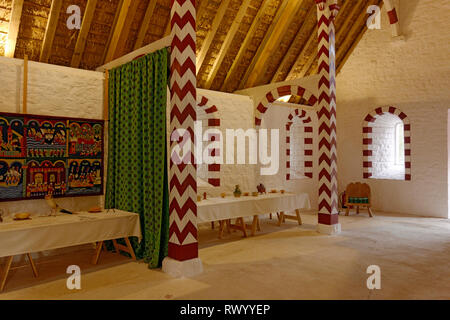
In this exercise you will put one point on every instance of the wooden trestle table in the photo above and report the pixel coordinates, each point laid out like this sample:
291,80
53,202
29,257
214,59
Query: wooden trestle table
228,208
52,232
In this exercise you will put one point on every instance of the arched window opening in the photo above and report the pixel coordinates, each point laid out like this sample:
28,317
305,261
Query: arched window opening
387,145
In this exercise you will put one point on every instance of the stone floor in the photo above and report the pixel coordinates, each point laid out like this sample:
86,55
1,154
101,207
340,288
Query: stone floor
287,262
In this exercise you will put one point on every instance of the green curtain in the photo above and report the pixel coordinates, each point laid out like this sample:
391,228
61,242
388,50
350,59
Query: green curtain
137,164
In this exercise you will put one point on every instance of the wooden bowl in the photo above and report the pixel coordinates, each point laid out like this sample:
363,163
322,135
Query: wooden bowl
255,194
282,191
223,195
95,209
273,191
246,194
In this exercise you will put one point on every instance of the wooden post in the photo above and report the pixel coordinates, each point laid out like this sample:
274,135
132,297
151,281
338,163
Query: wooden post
25,84
106,97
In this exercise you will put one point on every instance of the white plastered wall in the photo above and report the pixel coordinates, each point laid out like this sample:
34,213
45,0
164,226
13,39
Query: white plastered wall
54,91
236,112
413,75
276,117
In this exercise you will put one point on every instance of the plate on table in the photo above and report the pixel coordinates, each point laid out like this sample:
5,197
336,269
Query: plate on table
22,216
95,210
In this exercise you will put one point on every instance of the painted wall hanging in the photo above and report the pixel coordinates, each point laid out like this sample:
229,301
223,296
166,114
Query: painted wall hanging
43,155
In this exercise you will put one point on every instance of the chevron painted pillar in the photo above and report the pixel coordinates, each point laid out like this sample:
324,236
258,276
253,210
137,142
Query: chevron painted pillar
328,191
393,17
183,246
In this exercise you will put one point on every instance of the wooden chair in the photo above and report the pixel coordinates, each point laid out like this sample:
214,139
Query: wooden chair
358,195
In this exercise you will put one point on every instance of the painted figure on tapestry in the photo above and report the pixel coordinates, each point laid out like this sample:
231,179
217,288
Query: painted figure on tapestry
11,179
46,139
46,178
12,142
85,139
85,176
44,155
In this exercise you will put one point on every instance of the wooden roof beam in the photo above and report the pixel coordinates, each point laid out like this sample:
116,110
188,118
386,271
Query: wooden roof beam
13,29
212,33
245,44
117,30
347,22
351,44
311,42
312,14
82,36
50,31
283,19
227,43
145,24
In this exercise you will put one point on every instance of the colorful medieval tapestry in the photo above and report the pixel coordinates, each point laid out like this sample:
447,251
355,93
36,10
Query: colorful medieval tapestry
137,164
42,155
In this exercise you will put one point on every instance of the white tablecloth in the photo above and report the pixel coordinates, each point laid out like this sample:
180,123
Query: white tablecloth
48,233
215,209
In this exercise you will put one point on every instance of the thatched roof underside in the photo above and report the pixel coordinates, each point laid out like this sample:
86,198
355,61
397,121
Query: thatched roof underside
240,43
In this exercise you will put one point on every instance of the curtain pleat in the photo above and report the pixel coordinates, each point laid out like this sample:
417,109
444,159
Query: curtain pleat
137,167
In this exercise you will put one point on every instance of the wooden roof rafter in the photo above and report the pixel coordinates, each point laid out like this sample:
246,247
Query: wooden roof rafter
83,34
52,23
227,43
116,31
13,29
145,24
341,32
201,55
351,43
284,17
312,14
245,44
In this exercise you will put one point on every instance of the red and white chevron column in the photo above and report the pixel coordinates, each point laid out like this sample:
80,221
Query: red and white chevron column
328,190
393,17
183,245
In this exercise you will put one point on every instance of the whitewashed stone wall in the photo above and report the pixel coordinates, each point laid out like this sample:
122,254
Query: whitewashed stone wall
412,75
297,149
54,91
276,117
236,112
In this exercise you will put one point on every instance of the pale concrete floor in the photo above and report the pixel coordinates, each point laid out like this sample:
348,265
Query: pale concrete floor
288,262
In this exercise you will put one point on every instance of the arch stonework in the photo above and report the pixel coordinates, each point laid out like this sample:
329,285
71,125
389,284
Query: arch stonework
279,92
213,121
368,139
308,152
